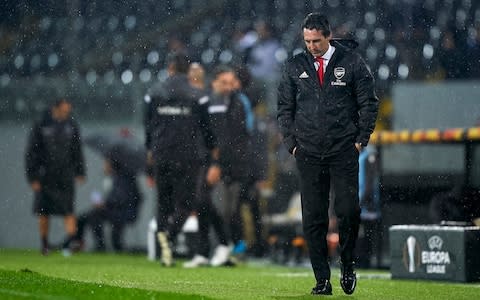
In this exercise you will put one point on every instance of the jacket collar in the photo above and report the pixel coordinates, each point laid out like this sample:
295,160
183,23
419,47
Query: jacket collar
312,73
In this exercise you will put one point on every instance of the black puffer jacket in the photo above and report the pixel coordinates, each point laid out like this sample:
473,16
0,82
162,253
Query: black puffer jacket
175,115
323,120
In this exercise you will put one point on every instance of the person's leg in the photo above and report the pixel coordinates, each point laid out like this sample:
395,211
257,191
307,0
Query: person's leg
43,226
117,236
81,224
70,224
315,187
253,201
184,181
164,173
163,182
96,218
204,210
232,210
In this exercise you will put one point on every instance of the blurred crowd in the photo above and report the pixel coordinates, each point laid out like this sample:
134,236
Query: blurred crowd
105,43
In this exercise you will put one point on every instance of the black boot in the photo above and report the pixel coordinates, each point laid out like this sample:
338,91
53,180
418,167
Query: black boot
323,287
348,280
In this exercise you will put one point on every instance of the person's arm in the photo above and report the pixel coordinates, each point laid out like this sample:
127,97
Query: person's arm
33,161
201,109
77,154
367,101
286,109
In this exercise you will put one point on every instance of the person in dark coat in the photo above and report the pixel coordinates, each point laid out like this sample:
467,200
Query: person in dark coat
176,115
232,121
228,118
327,108
54,161
120,207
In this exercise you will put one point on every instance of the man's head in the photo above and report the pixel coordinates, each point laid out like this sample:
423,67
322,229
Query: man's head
177,63
223,80
61,110
196,75
316,34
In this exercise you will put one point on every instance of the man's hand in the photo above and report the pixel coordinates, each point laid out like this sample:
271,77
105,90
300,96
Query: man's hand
80,179
359,147
36,186
213,174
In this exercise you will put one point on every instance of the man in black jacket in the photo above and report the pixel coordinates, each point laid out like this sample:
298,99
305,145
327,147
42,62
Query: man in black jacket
54,160
176,114
327,109
120,206
228,118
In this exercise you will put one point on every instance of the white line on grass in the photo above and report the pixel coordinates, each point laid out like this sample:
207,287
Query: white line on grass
31,295
309,274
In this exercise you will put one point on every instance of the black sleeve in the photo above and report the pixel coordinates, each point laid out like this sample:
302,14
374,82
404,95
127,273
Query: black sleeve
209,138
77,153
33,154
286,107
367,101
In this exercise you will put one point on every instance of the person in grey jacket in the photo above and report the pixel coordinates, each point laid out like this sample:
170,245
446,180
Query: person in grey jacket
327,108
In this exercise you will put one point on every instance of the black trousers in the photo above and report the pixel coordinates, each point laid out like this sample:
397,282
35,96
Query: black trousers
208,215
96,218
176,193
249,195
315,177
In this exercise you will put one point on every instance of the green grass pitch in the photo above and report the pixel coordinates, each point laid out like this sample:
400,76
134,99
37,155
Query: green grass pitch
25,274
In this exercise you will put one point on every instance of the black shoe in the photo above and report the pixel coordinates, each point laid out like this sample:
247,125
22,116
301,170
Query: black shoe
348,280
323,287
45,251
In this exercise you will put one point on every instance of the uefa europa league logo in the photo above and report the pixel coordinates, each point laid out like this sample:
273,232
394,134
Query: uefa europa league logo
411,254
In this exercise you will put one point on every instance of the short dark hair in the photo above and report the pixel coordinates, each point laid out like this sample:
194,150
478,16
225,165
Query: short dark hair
59,102
179,60
222,69
317,21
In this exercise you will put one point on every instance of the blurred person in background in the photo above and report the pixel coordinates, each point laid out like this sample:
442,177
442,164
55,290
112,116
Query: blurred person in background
369,243
120,206
452,56
262,62
176,114
54,162
257,176
327,108
196,76
228,119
